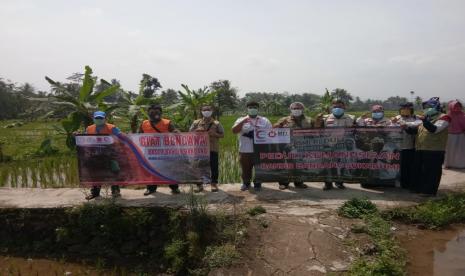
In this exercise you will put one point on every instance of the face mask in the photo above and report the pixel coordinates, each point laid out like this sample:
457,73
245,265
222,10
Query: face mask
207,113
377,115
252,111
430,111
99,122
338,112
296,112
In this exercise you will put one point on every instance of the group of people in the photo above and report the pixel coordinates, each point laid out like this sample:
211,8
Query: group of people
157,124
425,139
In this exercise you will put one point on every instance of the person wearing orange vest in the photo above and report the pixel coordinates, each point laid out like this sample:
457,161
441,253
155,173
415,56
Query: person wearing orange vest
100,126
157,124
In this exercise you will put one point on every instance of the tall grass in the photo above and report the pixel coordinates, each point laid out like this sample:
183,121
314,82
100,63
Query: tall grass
51,172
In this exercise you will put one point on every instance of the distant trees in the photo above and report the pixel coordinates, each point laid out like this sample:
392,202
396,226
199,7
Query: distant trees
226,96
149,86
342,94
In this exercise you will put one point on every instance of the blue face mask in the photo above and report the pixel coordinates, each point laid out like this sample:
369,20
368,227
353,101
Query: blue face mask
99,122
431,111
338,112
377,115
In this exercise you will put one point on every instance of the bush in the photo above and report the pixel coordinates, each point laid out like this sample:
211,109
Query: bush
257,210
357,208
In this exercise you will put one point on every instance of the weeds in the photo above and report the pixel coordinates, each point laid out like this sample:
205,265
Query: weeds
257,210
388,258
357,208
433,214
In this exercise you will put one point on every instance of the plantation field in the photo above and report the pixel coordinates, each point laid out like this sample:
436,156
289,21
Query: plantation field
28,166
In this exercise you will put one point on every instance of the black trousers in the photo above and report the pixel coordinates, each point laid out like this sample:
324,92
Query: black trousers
407,158
214,163
96,190
154,187
427,171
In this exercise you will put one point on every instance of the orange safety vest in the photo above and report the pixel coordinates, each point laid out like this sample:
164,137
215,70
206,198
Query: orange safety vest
162,126
107,129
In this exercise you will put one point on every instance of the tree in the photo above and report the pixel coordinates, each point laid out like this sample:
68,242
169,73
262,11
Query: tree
342,94
149,86
226,96
169,97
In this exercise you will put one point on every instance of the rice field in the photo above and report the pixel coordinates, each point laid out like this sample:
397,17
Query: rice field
25,169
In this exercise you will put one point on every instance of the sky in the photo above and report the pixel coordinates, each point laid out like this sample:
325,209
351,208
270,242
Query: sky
371,48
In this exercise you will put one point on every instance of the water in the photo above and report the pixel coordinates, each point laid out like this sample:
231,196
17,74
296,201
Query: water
436,252
22,266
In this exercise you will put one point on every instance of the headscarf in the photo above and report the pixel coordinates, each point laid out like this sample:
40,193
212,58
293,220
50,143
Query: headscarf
457,125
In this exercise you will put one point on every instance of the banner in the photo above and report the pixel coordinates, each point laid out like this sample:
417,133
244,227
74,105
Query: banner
155,158
369,156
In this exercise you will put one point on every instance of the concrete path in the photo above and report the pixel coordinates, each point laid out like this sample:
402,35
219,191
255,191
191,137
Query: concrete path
270,196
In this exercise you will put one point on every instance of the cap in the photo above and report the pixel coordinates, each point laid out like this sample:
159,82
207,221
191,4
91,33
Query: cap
99,114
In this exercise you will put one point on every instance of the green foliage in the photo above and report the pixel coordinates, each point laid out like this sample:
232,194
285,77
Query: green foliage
46,148
357,208
433,213
221,256
325,103
389,257
257,210
82,105
188,109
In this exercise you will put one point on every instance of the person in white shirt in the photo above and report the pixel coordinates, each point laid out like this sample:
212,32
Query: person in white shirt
244,127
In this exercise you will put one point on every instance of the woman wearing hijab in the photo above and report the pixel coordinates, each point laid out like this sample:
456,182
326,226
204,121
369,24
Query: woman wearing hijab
430,146
455,149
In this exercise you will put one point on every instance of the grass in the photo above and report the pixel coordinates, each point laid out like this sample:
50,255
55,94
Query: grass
387,258
255,211
357,208
433,214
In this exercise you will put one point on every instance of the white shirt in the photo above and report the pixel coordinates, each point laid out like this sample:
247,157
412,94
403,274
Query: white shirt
245,143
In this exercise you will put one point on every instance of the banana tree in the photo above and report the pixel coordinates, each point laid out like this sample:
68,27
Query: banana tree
186,111
135,108
80,107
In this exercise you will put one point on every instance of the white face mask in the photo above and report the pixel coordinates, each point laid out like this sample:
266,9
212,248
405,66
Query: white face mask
296,112
207,113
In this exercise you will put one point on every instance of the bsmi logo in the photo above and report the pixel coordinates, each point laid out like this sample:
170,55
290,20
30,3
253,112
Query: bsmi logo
262,134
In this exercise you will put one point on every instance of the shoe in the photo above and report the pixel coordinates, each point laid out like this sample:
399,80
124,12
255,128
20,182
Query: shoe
340,186
149,192
115,194
91,196
175,191
198,189
245,187
257,186
214,187
327,186
300,185
283,187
